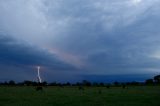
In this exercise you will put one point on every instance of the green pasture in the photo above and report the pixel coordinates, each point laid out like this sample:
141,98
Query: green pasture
72,96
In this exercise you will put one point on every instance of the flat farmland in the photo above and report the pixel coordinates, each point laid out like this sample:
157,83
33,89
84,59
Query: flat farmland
72,96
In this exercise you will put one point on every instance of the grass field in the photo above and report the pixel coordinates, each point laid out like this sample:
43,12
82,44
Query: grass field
71,96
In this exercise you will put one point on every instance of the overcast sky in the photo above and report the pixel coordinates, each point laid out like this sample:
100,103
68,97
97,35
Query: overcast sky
72,40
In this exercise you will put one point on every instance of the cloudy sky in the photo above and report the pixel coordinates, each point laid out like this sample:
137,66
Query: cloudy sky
72,40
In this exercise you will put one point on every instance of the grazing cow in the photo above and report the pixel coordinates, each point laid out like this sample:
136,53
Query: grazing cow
39,88
108,86
81,88
123,86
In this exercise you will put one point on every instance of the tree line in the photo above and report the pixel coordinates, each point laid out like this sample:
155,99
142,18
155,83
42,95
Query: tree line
153,81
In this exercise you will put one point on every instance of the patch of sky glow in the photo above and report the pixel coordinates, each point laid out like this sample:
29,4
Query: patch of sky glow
136,2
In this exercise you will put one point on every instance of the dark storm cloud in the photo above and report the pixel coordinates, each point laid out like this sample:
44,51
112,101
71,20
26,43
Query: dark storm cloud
103,37
127,46
14,52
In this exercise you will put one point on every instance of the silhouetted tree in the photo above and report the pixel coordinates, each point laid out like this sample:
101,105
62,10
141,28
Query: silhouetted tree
11,82
68,84
28,83
78,84
123,85
1,83
44,83
157,79
86,83
108,86
81,88
116,83
149,81
95,84
53,84
101,84
39,88
135,83
5,83
20,84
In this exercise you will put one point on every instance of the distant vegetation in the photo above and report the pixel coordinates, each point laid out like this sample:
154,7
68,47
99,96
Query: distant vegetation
153,81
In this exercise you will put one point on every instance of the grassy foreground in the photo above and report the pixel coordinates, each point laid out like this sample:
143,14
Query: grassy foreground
71,96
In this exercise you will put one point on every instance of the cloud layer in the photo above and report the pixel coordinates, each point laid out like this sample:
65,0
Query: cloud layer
81,37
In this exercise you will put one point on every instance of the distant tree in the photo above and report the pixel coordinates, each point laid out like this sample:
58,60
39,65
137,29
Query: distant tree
81,88
157,79
68,84
39,88
149,81
108,86
28,83
128,83
78,84
11,82
101,84
95,84
53,84
34,83
135,83
86,83
1,83
20,83
123,85
60,85
116,83
44,83
5,83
